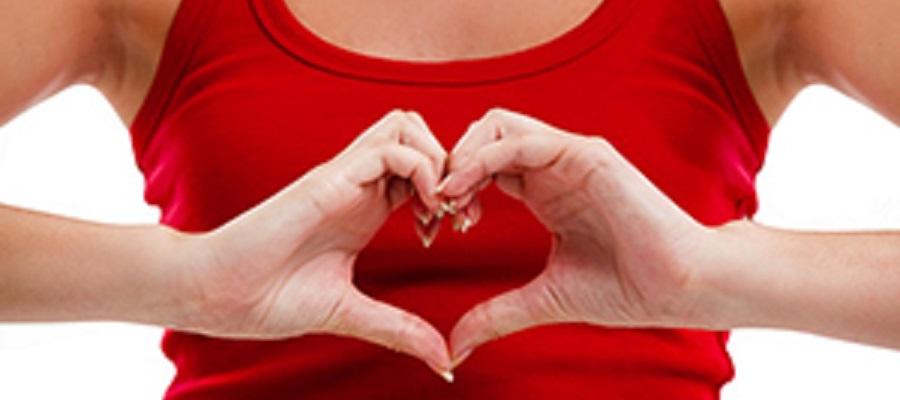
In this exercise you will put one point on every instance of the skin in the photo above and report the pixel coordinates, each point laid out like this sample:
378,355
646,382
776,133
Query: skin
623,254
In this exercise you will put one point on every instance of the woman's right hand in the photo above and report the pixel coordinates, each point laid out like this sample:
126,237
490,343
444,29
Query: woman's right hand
285,267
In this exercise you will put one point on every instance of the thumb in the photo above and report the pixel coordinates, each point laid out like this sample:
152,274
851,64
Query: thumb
537,303
361,317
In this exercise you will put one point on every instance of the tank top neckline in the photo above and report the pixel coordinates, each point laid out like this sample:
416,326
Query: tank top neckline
289,33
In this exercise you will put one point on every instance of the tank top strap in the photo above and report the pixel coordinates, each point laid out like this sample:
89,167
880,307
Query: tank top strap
717,38
187,29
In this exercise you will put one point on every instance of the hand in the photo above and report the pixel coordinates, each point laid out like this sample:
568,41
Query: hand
284,268
620,245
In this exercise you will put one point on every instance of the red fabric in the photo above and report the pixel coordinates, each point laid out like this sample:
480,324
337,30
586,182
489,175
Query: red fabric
246,100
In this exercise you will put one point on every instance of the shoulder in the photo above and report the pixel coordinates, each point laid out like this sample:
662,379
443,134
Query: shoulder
852,46
48,45
761,32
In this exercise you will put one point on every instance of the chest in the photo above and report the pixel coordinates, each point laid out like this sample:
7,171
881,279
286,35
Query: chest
258,100
440,30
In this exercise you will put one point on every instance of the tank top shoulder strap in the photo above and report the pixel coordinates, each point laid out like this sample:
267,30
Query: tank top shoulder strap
185,32
717,38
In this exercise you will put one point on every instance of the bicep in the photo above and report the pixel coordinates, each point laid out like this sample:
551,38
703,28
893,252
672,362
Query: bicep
853,46
45,46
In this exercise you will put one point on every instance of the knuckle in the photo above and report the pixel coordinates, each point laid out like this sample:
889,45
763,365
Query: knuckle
414,115
495,116
599,149
396,114
503,123
497,113
457,161
599,143
395,121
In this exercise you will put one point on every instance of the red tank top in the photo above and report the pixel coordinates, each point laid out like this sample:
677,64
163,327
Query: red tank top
246,100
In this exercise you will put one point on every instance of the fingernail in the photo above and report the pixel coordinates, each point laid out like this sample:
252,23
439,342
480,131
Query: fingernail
428,232
447,375
466,224
425,218
427,241
449,207
462,225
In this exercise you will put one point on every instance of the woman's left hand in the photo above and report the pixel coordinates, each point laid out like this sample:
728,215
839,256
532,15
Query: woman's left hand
623,253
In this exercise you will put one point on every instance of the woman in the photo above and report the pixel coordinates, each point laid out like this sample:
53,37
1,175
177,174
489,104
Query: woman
638,128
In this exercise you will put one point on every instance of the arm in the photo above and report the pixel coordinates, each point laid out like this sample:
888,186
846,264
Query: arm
845,285
53,268
281,269
625,255
58,269
853,46
47,46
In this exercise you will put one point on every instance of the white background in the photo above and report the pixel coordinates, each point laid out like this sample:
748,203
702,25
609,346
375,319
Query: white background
832,164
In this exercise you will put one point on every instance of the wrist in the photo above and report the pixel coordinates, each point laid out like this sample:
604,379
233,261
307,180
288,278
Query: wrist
177,256
723,275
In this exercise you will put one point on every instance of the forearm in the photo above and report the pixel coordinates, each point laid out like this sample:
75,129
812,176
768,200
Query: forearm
59,269
844,285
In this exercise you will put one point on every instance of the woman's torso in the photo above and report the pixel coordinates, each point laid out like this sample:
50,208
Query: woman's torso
246,100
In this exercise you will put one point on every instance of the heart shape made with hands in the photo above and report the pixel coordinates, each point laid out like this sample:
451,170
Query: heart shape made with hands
614,233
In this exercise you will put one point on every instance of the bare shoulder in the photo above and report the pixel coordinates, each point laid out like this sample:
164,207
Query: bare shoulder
46,46
139,30
853,46
760,28
850,45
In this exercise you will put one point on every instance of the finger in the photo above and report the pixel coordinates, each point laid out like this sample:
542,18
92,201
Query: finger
534,304
424,140
509,156
465,199
474,211
400,161
359,316
420,211
382,131
496,124
427,224
490,128
407,128
428,231
468,217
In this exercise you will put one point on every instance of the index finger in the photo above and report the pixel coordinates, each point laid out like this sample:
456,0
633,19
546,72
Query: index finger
512,156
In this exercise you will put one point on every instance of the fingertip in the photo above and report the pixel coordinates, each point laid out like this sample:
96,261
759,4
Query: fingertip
426,191
473,213
452,185
436,353
428,232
